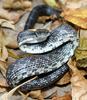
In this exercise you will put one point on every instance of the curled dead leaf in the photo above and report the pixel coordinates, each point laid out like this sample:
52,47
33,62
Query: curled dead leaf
65,97
76,16
3,67
3,82
6,38
77,21
10,15
7,24
3,53
36,94
73,4
80,12
18,4
78,83
4,14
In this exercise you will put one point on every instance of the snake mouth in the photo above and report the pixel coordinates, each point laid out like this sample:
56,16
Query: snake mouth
31,41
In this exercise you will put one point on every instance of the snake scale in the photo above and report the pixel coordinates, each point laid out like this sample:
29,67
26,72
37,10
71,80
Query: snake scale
50,55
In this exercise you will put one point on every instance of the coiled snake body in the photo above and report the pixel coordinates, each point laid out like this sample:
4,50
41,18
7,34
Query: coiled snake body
49,59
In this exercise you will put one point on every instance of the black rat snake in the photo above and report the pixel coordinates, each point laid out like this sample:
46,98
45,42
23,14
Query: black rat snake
51,52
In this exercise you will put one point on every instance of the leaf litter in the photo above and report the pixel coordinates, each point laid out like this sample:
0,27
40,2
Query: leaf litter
74,12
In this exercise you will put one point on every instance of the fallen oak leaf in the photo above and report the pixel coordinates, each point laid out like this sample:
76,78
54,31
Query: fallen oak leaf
76,16
6,96
3,67
77,21
65,97
5,14
80,12
36,94
4,53
6,38
73,4
18,4
2,89
3,83
78,83
15,16
10,15
7,24
25,96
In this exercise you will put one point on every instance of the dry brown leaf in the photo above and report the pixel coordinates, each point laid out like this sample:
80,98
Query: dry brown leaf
76,16
3,67
3,82
2,90
64,80
7,40
65,97
50,93
75,3
78,83
3,57
15,16
11,15
4,14
81,12
24,96
3,53
18,4
7,24
77,21
36,94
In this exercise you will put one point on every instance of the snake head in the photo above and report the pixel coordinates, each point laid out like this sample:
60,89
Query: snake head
33,36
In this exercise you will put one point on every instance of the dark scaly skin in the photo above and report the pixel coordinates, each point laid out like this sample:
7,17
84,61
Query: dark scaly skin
46,80
38,64
40,10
